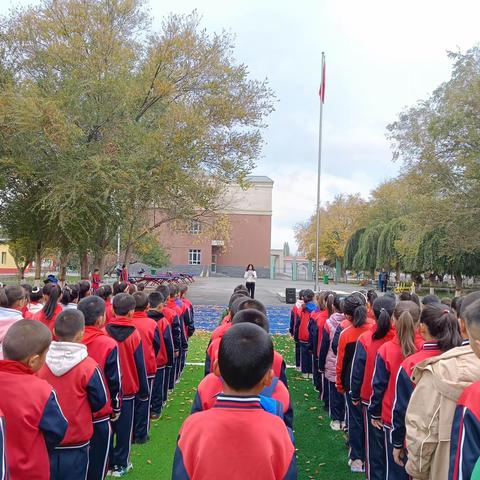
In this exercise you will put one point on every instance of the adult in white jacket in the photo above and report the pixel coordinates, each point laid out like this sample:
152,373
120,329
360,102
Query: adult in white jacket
250,277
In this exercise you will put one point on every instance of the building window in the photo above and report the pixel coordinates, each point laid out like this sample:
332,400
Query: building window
194,257
195,227
4,258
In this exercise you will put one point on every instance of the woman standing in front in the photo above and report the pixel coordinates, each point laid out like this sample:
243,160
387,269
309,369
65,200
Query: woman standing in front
250,278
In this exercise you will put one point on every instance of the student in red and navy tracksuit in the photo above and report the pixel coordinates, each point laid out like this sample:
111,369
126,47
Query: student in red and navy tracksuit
248,441
440,330
293,325
104,350
389,357
465,439
134,379
165,354
81,391
356,311
301,333
12,303
51,307
4,475
34,423
174,306
188,321
105,293
150,335
361,382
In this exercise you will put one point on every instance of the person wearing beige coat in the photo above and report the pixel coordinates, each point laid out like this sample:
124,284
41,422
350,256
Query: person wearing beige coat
439,383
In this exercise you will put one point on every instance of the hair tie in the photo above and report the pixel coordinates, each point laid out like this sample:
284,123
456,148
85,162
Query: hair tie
446,311
35,289
382,310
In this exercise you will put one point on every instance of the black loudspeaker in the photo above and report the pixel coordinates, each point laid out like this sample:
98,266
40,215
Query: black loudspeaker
290,295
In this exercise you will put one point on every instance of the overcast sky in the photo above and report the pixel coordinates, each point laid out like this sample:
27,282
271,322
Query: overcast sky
382,55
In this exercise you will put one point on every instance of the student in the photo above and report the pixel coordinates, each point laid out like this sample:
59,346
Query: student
226,322
355,310
96,280
165,355
186,328
439,329
361,382
294,315
35,422
105,293
12,300
250,276
124,274
119,287
80,390
409,296
69,297
429,299
51,308
439,382
327,360
84,289
104,350
248,441
371,297
134,379
301,334
465,444
150,335
35,297
190,312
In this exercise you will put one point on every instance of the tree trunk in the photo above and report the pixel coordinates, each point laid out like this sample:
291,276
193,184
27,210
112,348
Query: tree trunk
38,264
84,266
63,268
99,262
458,284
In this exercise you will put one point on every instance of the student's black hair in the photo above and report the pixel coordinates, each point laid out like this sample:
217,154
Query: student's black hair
251,315
123,303
95,270
36,294
173,290
234,307
308,295
329,302
234,297
140,287
119,287
245,356
383,309
429,299
83,288
92,308
371,296
442,325
352,302
155,299
334,301
471,314
457,305
132,288
391,295
69,294
68,324
10,295
250,265
141,301
360,317
24,339
447,302
182,289
247,303
409,297
240,288
467,300
300,294
28,288
52,291
104,291
163,289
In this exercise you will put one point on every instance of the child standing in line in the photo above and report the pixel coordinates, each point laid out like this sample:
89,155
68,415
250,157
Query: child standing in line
81,391
296,309
165,354
151,346
134,379
69,297
35,300
34,421
51,308
12,301
105,293
96,280
301,333
104,350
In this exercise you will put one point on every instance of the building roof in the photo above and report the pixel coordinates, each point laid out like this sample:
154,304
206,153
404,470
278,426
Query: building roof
259,179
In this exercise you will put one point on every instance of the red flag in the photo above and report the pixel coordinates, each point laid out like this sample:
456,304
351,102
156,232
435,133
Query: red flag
321,92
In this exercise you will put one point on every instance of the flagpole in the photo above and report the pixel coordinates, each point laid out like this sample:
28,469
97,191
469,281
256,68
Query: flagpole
319,171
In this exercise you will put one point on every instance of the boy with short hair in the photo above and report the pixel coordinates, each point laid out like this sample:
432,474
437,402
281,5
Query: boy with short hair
261,447
134,378
81,391
176,305
36,423
165,355
151,345
104,350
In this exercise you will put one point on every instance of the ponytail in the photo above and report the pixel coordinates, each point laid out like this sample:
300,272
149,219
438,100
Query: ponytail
52,291
442,325
69,294
83,289
352,302
10,295
330,304
119,287
383,309
104,291
371,297
407,315
360,316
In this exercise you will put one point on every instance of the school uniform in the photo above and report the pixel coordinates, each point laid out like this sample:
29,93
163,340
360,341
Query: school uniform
150,336
164,361
134,382
4,475
293,322
191,316
8,316
212,386
81,391
41,317
465,439
361,391
35,423
301,335
261,446
109,313
315,328
174,321
104,350
184,322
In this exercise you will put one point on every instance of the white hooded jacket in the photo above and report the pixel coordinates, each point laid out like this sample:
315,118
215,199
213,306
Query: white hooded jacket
63,356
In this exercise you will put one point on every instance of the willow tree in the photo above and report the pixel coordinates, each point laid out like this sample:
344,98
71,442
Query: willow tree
389,254
366,257
352,248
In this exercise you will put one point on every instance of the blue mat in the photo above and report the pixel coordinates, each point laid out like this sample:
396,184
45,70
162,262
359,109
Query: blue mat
207,317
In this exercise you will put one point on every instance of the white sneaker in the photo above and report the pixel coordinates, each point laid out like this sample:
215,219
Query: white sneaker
357,466
336,425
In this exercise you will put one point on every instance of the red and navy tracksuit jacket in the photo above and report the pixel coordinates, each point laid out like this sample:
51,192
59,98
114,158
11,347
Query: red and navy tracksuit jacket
247,442
166,351
3,453
132,362
364,364
302,322
338,331
35,422
150,340
315,331
465,439
178,327
81,391
41,317
387,363
221,329
404,389
293,320
190,316
104,350
174,322
211,386
109,313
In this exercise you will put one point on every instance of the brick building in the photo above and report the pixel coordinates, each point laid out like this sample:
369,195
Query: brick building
250,217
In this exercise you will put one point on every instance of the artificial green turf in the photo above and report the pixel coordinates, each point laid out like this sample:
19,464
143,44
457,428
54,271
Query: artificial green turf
321,452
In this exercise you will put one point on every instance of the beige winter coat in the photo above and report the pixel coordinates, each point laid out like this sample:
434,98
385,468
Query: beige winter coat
439,383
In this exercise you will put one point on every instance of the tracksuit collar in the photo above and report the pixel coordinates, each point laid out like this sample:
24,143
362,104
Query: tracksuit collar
11,366
430,346
465,342
237,401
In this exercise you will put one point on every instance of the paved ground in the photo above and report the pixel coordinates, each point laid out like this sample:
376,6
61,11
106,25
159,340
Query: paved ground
217,290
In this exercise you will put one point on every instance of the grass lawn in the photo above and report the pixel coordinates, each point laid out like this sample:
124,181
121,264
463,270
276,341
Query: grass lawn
321,452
